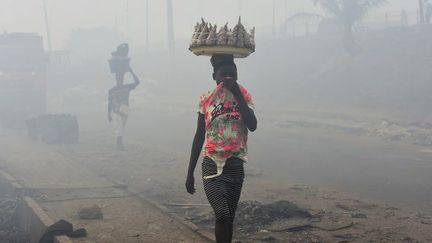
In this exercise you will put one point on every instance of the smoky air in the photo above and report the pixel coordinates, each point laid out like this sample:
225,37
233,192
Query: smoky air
215,121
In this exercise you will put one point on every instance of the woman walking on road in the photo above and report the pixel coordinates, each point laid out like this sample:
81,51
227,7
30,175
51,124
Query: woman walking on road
225,116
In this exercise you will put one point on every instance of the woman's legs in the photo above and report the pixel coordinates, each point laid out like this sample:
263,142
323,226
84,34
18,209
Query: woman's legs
223,194
223,231
223,197
120,127
216,193
234,195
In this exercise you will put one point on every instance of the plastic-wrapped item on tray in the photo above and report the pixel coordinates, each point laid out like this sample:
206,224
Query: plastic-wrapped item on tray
222,36
207,40
204,34
212,38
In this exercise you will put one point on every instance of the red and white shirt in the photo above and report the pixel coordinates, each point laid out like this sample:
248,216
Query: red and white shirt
226,133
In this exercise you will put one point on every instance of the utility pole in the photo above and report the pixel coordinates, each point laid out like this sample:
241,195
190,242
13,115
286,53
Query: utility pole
170,20
127,19
274,19
47,26
171,43
147,26
421,12
285,19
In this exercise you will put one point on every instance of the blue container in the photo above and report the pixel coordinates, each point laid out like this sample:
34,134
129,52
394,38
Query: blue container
119,64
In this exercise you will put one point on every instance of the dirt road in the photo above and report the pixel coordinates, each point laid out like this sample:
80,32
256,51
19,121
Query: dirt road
62,186
343,179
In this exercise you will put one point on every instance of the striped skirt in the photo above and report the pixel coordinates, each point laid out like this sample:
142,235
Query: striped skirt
223,192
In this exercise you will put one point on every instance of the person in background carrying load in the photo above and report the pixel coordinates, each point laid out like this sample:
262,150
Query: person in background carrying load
118,103
225,116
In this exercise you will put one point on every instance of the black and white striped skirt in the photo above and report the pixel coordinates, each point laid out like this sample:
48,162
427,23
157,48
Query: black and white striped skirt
223,192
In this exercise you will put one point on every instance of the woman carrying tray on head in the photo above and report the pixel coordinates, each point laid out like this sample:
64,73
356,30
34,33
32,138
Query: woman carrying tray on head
225,116
118,104
118,98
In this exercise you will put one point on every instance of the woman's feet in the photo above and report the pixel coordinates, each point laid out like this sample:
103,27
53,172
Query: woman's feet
120,145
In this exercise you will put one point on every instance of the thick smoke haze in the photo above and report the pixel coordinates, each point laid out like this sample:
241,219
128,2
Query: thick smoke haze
332,115
128,16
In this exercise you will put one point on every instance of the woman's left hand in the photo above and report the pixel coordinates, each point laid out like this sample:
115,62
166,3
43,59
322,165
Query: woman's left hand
232,85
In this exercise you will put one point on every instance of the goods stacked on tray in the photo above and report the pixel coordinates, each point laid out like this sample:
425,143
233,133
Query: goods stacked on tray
207,40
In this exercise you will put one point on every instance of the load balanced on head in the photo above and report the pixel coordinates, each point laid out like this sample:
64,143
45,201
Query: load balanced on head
207,40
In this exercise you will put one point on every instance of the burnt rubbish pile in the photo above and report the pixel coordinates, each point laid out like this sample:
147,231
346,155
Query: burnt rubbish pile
54,129
253,216
9,230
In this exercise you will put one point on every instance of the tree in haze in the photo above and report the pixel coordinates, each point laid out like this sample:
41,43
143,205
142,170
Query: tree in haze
348,13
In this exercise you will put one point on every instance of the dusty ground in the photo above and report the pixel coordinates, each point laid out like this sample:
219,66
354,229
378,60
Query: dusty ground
342,167
338,136
62,186
359,188
161,178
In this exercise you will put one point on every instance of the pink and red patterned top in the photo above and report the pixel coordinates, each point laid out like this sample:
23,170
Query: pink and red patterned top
226,134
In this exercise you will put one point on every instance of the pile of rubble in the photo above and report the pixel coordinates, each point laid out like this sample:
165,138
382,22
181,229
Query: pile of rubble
54,129
252,216
9,231
414,133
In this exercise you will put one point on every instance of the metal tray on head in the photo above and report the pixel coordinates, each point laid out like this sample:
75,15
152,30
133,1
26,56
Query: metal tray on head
238,52
119,64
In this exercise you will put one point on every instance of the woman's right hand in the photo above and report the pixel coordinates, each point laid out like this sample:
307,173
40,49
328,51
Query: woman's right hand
190,184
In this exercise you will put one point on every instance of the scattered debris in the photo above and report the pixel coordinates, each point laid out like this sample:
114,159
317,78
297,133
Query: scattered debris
355,206
424,219
62,227
292,225
408,239
345,207
253,215
186,205
317,213
416,133
348,236
300,188
269,239
359,215
301,226
333,226
9,232
8,207
134,234
423,140
93,212
54,128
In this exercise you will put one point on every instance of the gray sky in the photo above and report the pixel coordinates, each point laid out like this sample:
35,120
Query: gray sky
66,15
